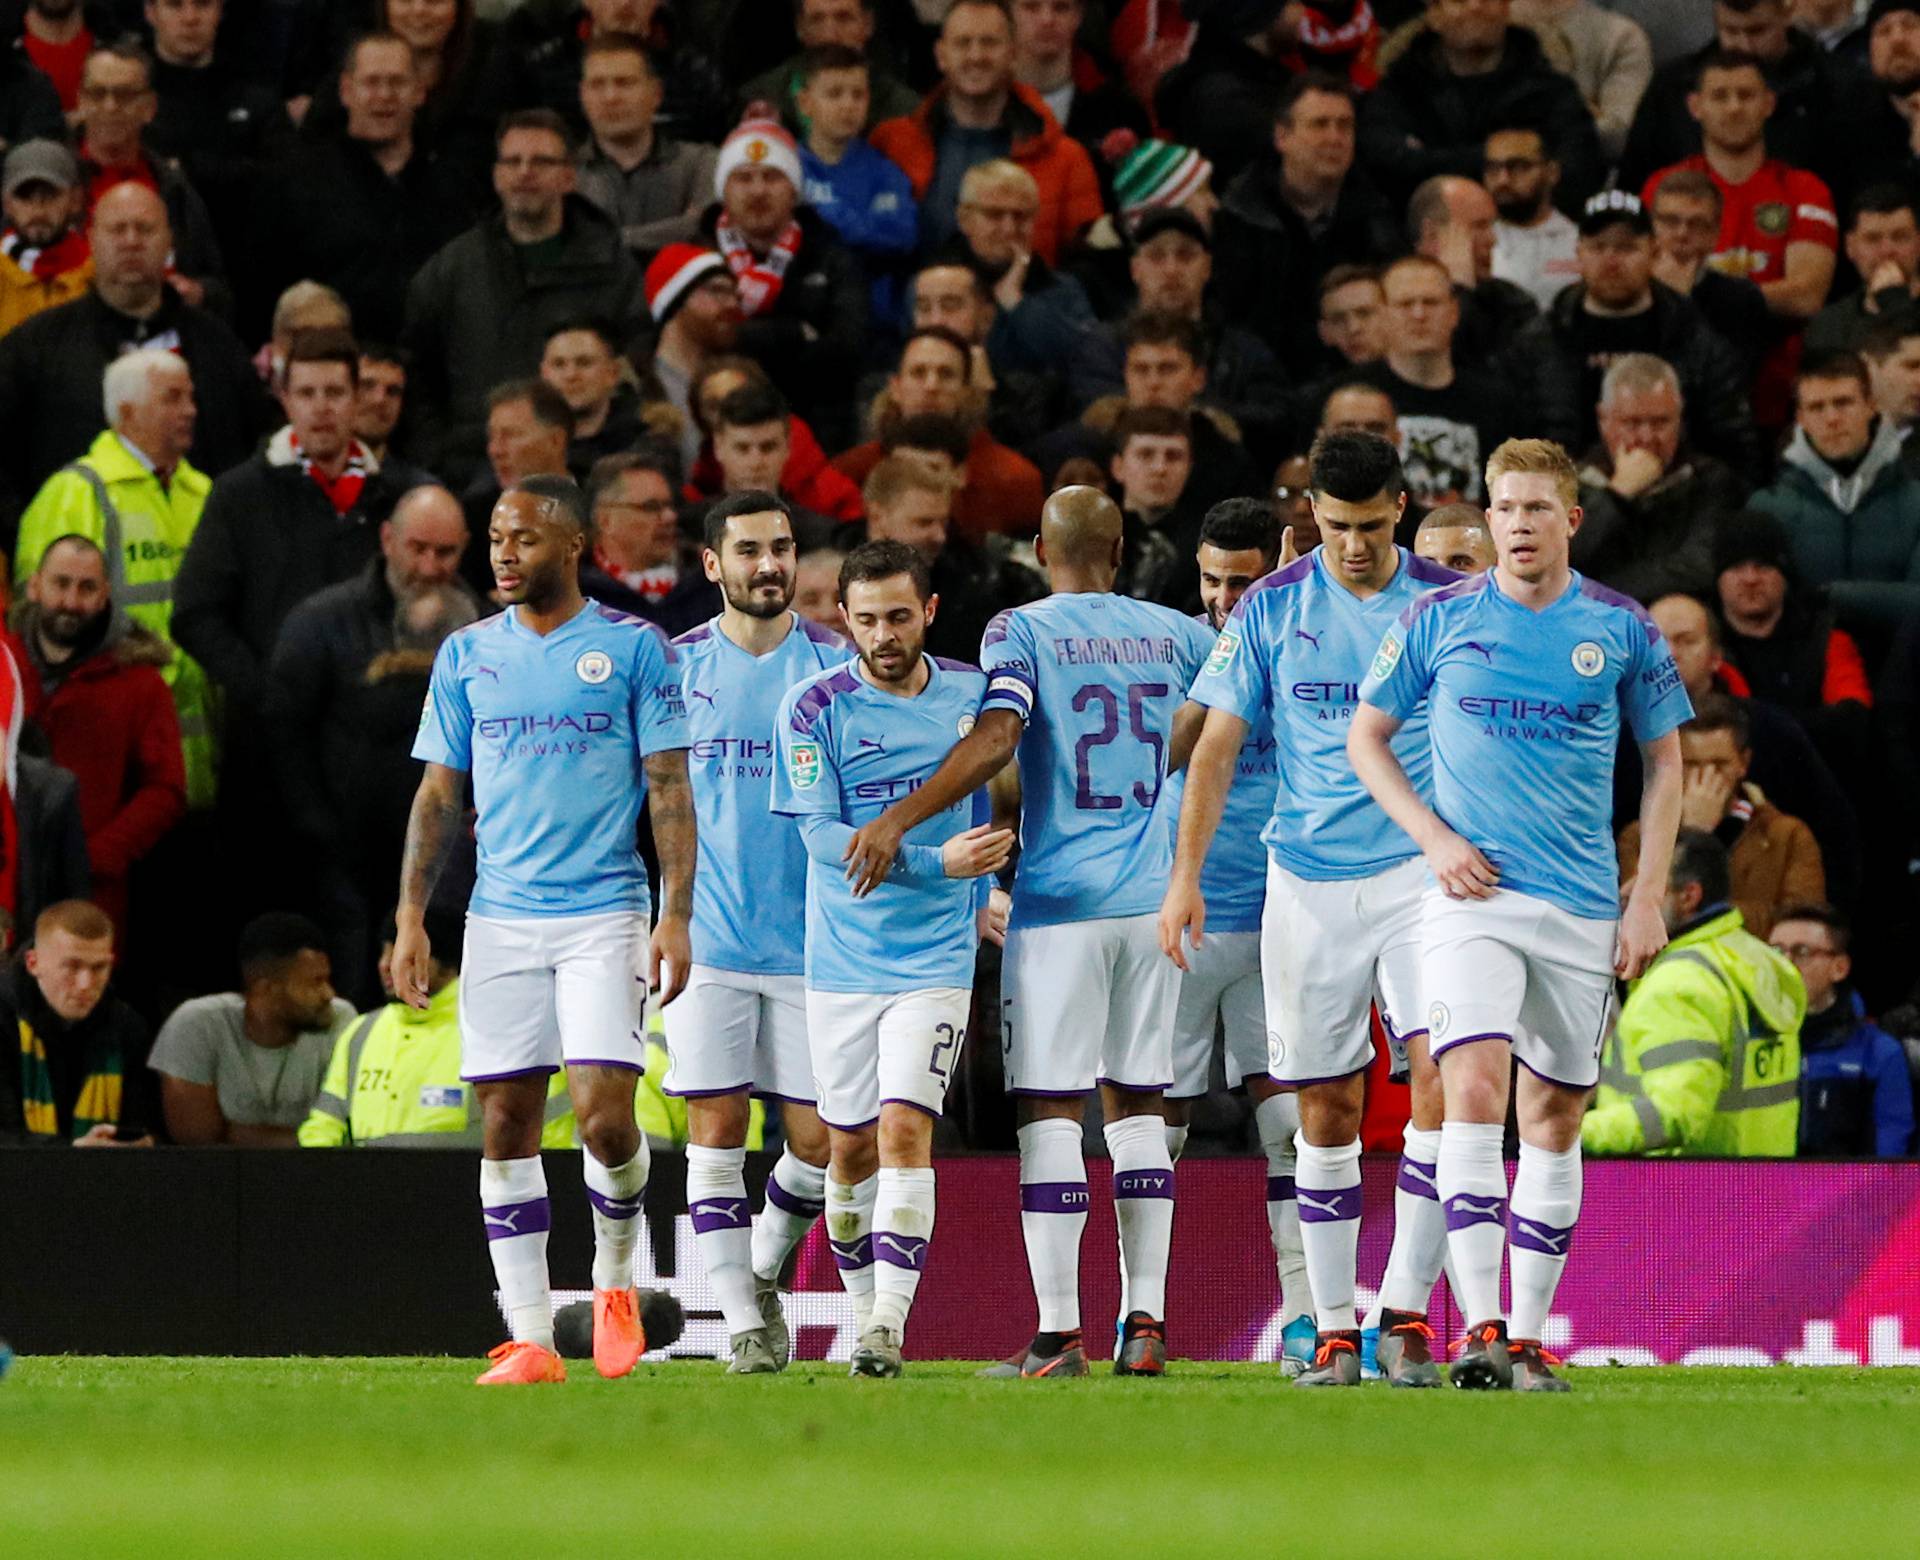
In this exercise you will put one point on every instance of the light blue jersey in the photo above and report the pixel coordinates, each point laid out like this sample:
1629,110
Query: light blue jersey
1525,710
1293,654
843,753
752,874
1233,880
554,729
1096,678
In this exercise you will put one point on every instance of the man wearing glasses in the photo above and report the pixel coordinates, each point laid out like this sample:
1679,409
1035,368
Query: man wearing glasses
1533,244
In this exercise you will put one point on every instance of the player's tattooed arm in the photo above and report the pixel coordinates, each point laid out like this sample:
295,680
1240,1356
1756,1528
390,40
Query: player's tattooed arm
675,840
439,806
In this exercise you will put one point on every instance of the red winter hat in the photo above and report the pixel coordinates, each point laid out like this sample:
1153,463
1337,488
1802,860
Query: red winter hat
674,273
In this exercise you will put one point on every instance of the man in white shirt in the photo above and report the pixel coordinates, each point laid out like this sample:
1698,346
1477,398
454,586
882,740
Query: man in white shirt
1533,244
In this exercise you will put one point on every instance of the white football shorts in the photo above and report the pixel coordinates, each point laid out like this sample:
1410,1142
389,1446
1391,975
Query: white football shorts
1087,1002
872,1049
1222,982
729,1031
541,992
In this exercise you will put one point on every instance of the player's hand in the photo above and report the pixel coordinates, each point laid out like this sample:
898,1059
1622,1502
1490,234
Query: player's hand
670,947
1462,872
977,851
412,961
1643,933
1183,921
869,854
993,917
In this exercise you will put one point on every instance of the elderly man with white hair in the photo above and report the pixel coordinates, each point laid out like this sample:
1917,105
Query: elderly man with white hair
135,496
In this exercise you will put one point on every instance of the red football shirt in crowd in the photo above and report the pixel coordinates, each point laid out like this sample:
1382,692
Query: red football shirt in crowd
1759,217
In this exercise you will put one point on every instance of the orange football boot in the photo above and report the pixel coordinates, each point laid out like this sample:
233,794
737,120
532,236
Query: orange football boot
522,1363
618,1338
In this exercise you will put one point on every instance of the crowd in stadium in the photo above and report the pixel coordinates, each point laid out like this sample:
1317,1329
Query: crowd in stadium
291,292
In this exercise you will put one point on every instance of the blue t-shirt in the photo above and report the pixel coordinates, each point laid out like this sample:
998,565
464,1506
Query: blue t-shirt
1233,879
1293,655
554,729
752,875
1096,678
845,751
1525,710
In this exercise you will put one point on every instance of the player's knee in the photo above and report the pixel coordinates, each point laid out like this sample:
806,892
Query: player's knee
906,1137
806,1134
720,1121
1119,1103
510,1122
611,1136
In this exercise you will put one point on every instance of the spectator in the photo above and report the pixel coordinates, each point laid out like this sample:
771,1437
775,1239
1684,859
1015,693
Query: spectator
752,432
54,35
116,106
993,491
303,306
1856,1095
1452,220
106,712
1451,416
1295,214
1618,309
1533,243
1149,177
51,366
847,24
529,430
645,182
641,555
1834,25
365,205
44,257
906,502
1705,1059
1882,133
861,195
480,310
81,1074
1152,466
582,361
381,399
1891,352
1608,56
1353,407
1456,537
1685,212
1772,858
29,103
1352,322
135,496
1883,247
695,304
1467,73
547,42
807,480
1651,504
1067,79
979,113
957,297
243,1067
816,592
52,838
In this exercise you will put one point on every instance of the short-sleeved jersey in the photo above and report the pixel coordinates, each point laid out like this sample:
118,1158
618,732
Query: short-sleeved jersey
845,751
1293,654
1233,879
554,729
1096,678
1759,217
1525,709
752,874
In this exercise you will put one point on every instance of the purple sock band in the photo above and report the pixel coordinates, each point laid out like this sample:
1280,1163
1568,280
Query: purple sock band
787,1202
1143,1183
852,1253
614,1207
1054,1197
507,1220
1417,1179
1537,1235
901,1251
1280,1188
711,1214
1329,1207
1467,1210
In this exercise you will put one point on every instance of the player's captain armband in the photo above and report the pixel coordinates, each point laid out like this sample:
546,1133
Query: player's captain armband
1225,648
1013,686
1386,658
803,765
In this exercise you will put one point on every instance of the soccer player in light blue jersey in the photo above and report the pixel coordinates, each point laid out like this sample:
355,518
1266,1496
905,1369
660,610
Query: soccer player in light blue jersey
741,1023
1220,989
568,717
1084,687
1527,674
889,973
1340,928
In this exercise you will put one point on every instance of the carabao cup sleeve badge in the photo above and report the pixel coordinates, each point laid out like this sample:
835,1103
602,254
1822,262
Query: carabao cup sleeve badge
803,765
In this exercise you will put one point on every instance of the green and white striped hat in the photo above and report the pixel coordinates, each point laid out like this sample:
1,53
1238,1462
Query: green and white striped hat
1158,173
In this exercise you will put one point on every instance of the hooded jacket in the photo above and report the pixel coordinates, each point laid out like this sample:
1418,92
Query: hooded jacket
1856,1094
1849,531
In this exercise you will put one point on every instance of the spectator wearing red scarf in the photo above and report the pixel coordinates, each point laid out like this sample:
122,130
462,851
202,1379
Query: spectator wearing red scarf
44,255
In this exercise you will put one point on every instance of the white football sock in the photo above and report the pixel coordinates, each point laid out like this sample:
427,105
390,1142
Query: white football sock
1053,1214
850,1234
796,1196
723,1230
1419,1226
1176,1142
1473,1190
514,1207
614,1192
1330,1205
1143,1208
1546,1206
902,1232
1277,1119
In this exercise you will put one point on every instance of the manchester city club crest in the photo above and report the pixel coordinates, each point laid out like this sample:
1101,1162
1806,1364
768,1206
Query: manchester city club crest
966,724
1438,1018
594,668
1589,660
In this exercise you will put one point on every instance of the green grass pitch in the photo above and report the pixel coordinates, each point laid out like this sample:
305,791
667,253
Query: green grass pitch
375,1458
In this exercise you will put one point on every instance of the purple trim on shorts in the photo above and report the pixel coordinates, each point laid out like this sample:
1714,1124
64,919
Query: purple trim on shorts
637,1068
1550,1240
1306,1083
704,1094
1435,1052
913,1105
518,1072
1055,1197
1052,1094
785,1099
1135,1088
1198,1094
1330,1205
786,1202
858,1126
1280,1188
1558,1083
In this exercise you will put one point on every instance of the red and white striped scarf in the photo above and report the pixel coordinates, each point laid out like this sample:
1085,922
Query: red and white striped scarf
343,491
760,280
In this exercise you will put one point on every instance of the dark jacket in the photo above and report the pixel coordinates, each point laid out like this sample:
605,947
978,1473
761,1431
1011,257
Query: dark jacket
196,248
53,840
478,315
1041,333
542,42
975,582
111,1041
51,369
1422,119
1856,1095
231,135
29,106
1220,99
1661,540
1549,360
